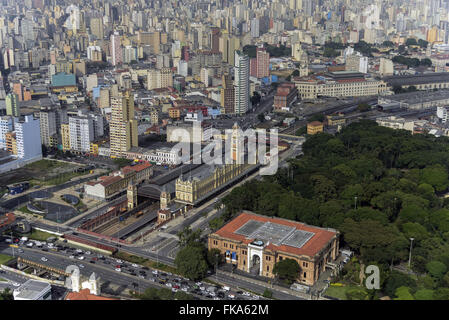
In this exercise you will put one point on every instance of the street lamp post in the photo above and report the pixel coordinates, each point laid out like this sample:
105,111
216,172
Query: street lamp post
12,246
410,255
216,267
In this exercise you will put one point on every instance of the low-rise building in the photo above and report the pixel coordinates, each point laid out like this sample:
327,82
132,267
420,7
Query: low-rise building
255,243
314,127
394,122
109,187
33,290
338,84
286,94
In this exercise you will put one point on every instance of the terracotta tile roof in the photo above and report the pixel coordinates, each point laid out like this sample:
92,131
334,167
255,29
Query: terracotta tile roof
319,240
85,294
138,167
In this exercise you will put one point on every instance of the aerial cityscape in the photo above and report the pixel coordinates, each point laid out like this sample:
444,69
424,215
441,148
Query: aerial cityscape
231,150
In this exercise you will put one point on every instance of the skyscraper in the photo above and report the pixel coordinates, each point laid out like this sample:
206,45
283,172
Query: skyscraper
241,82
123,126
96,27
116,49
29,146
227,95
263,63
12,105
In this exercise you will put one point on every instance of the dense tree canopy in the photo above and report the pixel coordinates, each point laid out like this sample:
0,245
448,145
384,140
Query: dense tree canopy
378,186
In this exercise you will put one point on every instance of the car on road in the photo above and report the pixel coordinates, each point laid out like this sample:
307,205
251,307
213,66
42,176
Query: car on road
80,258
176,286
118,269
185,289
81,266
174,290
154,272
231,296
87,252
20,251
246,294
135,265
168,284
72,257
44,259
15,284
118,261
142,276
92,261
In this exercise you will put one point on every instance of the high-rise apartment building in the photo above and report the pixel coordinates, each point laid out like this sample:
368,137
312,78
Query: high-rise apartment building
28,138
12,105
96,27
241,83
123,126
115,49
81,132
227,95
6,125
262,63
48,127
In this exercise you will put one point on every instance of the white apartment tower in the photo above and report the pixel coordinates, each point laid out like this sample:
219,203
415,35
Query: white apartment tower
241,83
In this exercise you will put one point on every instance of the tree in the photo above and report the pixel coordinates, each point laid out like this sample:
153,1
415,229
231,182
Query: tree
436,176
395,280
255,99
441,294
268,294
6,294
216,223
214,257
356,294
424,294
180,295
403,293
288,270
150,294
436,269
363,107
165,294
188,237
191,262
411,42
422,43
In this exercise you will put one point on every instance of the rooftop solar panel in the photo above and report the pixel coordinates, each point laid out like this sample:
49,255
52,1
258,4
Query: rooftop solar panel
275,233
248,228
298,238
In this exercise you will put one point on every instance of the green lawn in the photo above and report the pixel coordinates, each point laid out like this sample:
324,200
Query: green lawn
40,235
45,164
5,258
24,209
338,292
